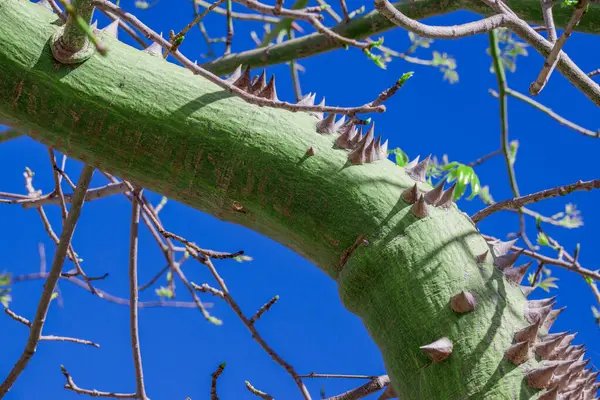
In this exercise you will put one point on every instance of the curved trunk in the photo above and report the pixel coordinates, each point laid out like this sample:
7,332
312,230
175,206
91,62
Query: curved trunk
160,126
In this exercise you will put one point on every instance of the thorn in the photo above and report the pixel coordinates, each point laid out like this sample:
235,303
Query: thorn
311,151
527,290
243,82
502,248
541,377
327,125
518,353
434,195
413,163
318,114
346,138
507,260
447,196
259,83
534,314
340,123
235,75
481,258
357,138
269,91
370,153
439,350
562,366
551,394
419,171
154,49
552,317
307,100
383,150
113,28
358,155
578,366
410,195
529,333
540,303
463,302
419,209
515,275
546,349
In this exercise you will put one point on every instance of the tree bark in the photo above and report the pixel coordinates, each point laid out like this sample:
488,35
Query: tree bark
165,129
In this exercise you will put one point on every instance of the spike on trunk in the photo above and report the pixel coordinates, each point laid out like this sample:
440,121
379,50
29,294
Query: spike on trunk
551,394
269,91
434,195
518,353
534,314
552,317
507,260
259,83
419,209
438,350
235,75
546,348
527,290
482,257
243,82
419,171
515,275
529,333
502,248
411,195
447,197
327,125
154,49
463,302
112,29
541,377
345,140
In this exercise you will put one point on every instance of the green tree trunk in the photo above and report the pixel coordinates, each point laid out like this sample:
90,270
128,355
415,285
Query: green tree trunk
160,126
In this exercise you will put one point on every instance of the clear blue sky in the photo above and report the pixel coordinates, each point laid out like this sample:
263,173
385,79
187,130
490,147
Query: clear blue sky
308,326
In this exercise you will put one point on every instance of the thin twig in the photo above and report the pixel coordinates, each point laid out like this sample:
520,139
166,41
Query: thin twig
229,29
53,276
548,20
518,202
70,385
134,296
27,323
482,159
550,63
375,385
259,393
552,114
214,377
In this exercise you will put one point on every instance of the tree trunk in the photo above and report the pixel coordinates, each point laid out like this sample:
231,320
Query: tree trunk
161,127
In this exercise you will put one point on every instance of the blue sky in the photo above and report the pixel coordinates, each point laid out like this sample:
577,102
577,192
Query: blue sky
308,326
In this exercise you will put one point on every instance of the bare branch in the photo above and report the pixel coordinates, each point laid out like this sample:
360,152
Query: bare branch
375,385
44,303
134,295
548,20
549,112
27,323
552,59
92,194
70,385
258,393
518,202
215,376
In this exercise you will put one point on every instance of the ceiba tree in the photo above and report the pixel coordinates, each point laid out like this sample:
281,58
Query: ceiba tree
428,286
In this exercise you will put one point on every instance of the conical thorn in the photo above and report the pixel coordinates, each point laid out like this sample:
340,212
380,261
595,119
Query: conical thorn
438,350
419,209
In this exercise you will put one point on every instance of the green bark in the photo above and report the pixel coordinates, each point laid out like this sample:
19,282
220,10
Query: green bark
374,24
160,126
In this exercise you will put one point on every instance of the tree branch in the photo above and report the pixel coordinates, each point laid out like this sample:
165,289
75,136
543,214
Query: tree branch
516,203
44,303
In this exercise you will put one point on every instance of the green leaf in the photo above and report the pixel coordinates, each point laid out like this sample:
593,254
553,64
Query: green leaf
169,276
4,279
512,154
5,300
376,59
53,296
142,5
164,292
401,156
542,239
242,258
589,280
